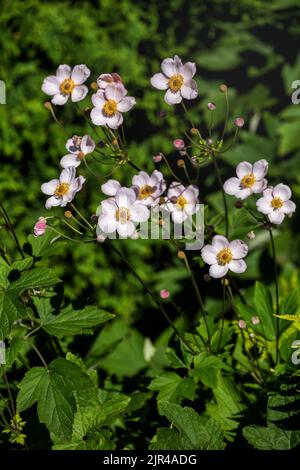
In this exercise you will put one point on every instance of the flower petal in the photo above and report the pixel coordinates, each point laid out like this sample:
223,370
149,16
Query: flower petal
125,197
98,99
189,90
282,191
70,160
80,74
126,230
276,217
50,187
259,186
263,205
139,213
50,85
209,254
67,175
87,144
188,70
243,169
172,98
289,207
79,93
109,206
170,67
115,92
237,266
114,121
232,186
60,99
110,187
219,242
178,215
260,168
159,81
107,223
97,117
239,249
52,202
63,71
126,104
218,271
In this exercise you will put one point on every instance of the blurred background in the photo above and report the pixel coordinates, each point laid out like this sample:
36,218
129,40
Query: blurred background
251,45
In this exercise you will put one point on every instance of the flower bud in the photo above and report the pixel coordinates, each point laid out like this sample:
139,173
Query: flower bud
251,235
209,141
94,86
164,294
211,106
178,144
181,254
242,324
194,131
68,214
180,163
238,204
40,227
239,122
223,88
157,158
173,199
48,105
225,282
255,320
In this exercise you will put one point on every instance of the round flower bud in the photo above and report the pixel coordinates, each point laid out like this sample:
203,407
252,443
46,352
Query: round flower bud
238,204
164,294
251,235
194,131
157,158
255,320
242,324
211,106
225,282
68,214
173,199
178,144
180,163
48,105
223,88
94,86
181,254
239,122
209,141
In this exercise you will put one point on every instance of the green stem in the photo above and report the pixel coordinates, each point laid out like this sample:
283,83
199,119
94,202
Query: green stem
223,315
223,193
81,216
7,220
276,293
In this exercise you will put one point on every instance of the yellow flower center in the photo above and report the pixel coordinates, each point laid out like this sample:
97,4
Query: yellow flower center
248,181
110,108
67,86
181,202
123,215
175,82
277,203
224,256
62,189
146,191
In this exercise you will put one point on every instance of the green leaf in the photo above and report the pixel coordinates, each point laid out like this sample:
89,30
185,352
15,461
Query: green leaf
264,310
73,322
207,369
200,433
172,387
169,439
36,278
270,438
53,389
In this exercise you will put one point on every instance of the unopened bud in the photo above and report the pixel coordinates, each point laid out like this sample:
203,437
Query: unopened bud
68,214
239,122
115,142
180,163
173,199
211,106
255,320
225,282
238,204
157,158
178,144
194,131
48,105
181,254
94,86
251,235
223,88
242,324
164,294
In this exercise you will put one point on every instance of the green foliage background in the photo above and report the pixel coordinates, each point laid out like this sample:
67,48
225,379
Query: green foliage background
250,45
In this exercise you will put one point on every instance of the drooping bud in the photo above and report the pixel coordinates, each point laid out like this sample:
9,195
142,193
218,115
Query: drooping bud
40,227
242,324
181,254
48,105
239,122
211,106
68,214
164,294
194,131
94,86
178,144
157,158
251,235
181,163
223,88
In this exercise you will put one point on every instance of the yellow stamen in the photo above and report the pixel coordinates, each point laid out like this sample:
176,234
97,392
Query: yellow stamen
62,189
181,202
110,108
224,256
248,180
175,82
145,191
277,203
67,86
123,215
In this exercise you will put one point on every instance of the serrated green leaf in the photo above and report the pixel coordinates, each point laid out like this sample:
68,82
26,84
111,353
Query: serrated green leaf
171,387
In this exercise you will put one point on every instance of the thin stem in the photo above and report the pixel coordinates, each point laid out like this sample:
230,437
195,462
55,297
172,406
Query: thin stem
152,295
40,355
227,115
7,219
187,113
8,391
81,216
199,298
223,315
170,169
223,194
276,293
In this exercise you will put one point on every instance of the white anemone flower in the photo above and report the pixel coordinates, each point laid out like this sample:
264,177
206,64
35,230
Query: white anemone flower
223,255
78,147
276,204
177,79
62,190
181,201
109,104
106,79
67,83
149,187
250,179
121,213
